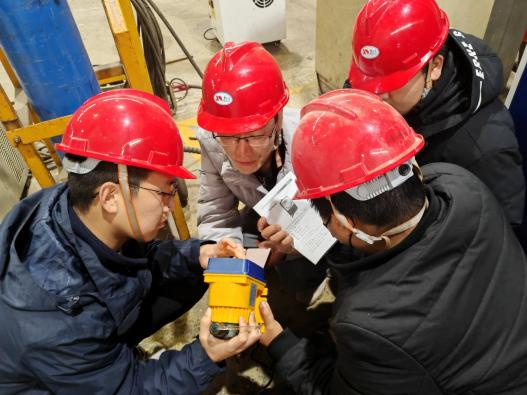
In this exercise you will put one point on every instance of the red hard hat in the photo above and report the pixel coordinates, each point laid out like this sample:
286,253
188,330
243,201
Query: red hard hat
346,138
393,40
129,127
243,90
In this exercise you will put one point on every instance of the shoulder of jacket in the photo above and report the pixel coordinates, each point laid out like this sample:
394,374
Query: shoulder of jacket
208,142
491,128
444,168
466,40
485,64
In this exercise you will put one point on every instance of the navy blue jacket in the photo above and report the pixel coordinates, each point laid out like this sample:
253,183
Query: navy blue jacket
63,314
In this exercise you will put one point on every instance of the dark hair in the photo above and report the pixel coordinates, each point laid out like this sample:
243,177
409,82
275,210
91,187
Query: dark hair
445,49
388,210
82,187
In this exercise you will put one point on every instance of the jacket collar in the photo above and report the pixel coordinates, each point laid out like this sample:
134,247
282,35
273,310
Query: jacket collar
45,215
472,77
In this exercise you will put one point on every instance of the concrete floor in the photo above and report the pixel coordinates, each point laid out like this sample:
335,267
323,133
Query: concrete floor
295,56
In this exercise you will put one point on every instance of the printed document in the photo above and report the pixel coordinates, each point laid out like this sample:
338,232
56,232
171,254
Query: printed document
311,238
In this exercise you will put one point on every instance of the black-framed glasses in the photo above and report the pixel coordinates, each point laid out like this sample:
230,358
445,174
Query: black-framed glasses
166,197
257,141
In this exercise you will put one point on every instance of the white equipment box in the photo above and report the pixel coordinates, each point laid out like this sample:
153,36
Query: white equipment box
262,21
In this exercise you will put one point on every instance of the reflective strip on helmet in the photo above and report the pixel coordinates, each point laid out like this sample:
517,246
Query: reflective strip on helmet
383,183
127,197
83,167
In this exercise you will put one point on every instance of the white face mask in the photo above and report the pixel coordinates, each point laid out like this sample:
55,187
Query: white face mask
83,167
385,236
425,92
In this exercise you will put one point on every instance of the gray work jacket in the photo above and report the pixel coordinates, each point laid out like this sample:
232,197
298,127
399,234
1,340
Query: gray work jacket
222,187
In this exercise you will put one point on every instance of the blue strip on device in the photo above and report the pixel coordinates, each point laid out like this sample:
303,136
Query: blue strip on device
236,266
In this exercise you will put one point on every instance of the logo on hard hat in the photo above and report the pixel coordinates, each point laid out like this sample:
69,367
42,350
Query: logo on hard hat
370,52
222,98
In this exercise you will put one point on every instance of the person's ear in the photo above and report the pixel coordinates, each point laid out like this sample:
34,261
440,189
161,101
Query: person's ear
278,124
278,139
436,67
108,197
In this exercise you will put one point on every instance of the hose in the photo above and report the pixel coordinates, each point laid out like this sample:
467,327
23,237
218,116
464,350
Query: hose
173,32
191,150
154,48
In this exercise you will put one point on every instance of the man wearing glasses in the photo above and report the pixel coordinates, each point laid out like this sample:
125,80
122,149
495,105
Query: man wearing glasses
245,150
83,278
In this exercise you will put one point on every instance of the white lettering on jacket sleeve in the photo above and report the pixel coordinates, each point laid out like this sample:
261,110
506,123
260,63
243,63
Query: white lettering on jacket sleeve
478,70
469,49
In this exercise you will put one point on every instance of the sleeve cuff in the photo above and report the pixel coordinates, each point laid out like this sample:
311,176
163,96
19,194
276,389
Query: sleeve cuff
195,266
282,344
209,367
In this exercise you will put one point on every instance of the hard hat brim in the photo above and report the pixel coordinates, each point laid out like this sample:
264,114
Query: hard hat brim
238,125
381,84
304,193
175,171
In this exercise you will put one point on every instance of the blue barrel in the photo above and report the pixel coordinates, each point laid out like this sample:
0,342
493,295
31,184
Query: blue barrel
43,45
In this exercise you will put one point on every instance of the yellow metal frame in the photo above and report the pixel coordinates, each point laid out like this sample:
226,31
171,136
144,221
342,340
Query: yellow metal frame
133,69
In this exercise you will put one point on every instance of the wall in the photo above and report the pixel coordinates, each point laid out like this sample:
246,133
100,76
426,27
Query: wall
501,23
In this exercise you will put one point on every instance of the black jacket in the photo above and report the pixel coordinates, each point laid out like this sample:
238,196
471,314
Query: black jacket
464,122
443,312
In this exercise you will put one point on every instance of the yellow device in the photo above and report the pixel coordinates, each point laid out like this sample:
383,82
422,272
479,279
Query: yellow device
236,288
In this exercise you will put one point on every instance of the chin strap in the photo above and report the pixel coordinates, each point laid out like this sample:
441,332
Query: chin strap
385,236
278,158
428,82
417,170
124,187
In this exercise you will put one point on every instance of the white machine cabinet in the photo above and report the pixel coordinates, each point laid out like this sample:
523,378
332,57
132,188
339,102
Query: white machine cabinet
262,21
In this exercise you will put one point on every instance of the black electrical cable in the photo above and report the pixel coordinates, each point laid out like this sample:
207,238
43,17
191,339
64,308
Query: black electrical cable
178,85
172,31
205,34
192,150
153,46
154,49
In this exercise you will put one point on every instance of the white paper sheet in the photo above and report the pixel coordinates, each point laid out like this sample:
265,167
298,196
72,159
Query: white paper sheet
311,238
